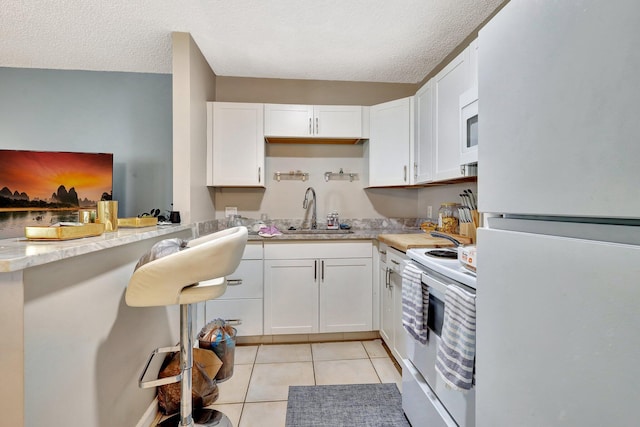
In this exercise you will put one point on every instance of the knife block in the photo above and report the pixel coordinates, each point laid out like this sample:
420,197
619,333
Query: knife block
468,229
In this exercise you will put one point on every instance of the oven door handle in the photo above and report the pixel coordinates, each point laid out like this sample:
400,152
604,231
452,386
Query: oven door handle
435,285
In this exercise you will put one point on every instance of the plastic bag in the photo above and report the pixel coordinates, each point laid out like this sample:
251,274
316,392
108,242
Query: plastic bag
220,337
204,389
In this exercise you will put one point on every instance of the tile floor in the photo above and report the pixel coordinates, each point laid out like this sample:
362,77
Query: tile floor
256,394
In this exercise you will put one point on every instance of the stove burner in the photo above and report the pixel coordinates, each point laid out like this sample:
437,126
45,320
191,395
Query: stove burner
442,253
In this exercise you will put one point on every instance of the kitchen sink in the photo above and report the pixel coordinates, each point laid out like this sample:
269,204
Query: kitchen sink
317,231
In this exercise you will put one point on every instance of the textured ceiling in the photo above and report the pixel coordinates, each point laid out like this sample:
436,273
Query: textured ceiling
397,41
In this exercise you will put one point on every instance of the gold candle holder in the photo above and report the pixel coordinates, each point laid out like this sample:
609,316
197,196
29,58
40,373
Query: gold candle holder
108,214
87,216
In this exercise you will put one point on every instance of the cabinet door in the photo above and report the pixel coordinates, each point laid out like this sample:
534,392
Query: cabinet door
291,296
288,121
386,310
346,291
337,121
423,151
399,349
243,314
390,143
473,62
449,84
236,142
246,281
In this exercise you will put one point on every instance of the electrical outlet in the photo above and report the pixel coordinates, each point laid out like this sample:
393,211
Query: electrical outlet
429,211
230,210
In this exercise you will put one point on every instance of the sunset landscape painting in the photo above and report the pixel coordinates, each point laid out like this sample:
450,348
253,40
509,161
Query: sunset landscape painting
43,187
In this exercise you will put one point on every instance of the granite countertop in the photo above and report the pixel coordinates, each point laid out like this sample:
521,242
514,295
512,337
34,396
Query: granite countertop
370,234
19,253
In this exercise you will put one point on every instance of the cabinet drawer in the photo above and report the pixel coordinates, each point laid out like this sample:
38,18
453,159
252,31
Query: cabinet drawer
252,250
246,281
395,260
284,250
248,312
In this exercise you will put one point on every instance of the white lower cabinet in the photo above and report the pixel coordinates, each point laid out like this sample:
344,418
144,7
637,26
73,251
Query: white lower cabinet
391,328
386,298
318,287
291,291
241,305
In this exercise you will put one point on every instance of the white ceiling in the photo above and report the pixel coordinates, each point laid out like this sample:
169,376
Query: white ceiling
397,41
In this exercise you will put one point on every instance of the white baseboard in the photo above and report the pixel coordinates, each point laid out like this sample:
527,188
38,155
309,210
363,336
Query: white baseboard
149,417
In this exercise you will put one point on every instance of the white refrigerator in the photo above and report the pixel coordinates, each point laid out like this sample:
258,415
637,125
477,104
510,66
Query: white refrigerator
558,285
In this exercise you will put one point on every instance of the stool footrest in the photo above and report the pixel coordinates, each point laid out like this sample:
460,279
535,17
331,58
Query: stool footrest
159,381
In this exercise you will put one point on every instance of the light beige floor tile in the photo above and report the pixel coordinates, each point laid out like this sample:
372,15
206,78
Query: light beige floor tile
235,388
245,354
264,414
280,353
231,410
357,371
387,371
338,351
375,348
271,381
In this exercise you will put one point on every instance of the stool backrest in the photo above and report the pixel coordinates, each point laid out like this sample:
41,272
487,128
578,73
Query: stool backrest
161,281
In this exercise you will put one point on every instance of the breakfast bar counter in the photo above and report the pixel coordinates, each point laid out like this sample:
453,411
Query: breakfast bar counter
70,348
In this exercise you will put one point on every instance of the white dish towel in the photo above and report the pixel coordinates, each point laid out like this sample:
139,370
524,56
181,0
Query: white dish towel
415,303
457,350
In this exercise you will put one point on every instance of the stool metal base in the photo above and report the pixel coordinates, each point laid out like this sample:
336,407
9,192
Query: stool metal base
201,417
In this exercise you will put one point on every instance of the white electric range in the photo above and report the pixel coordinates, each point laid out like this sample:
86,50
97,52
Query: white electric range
426,401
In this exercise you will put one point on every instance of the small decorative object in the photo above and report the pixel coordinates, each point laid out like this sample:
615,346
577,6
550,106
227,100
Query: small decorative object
87,216
108,214
174,217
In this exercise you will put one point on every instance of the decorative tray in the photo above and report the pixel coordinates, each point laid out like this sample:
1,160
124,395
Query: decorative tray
63,232
144,221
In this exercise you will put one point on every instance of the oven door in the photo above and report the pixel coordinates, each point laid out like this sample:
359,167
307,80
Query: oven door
459,405
469,127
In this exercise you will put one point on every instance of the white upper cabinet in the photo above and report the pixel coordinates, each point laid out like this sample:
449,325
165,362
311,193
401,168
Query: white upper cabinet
391,143
473,62
338,121
448,85
235,147
424,132
288,121
309,121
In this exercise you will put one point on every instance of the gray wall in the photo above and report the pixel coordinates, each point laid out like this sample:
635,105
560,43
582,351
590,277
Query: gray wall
127,114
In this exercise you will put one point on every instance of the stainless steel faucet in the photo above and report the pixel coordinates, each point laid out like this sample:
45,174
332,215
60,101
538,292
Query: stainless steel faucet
305,205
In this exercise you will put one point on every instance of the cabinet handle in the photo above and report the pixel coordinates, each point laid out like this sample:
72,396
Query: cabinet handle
323,270
233,321
234,282
415,170
405,173
316,125
315,269
383,252
259,171
387,278
310,129
395,262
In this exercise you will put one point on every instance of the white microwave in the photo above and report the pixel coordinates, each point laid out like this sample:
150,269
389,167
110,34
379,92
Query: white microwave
469,127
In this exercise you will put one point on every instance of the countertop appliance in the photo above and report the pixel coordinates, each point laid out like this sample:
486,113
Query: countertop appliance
558,267
426,400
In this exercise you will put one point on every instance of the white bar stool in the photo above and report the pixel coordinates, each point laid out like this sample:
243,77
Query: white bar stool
174,279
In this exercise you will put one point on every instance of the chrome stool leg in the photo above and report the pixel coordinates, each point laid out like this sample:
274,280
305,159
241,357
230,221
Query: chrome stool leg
187,416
